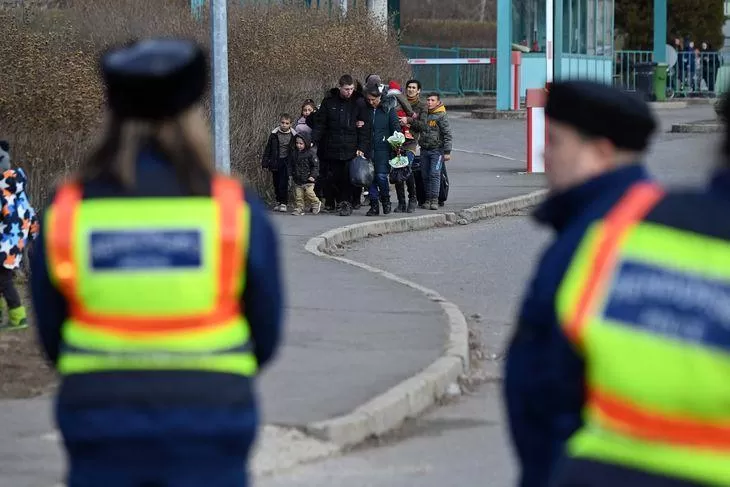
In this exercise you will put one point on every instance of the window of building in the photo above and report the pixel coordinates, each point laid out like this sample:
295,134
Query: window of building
587,26
528,23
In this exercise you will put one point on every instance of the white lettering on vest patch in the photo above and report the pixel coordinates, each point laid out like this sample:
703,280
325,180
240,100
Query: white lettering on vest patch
145,249
681,305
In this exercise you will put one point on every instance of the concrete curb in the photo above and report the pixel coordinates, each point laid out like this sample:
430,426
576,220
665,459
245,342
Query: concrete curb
494,114
413,396
698,128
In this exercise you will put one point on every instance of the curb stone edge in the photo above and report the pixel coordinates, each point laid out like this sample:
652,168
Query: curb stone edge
414,395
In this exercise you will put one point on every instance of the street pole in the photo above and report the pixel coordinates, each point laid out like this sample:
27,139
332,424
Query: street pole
549,44
220,106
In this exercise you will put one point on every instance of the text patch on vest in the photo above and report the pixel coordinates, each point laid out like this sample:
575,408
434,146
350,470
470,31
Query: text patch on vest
676,304
145,249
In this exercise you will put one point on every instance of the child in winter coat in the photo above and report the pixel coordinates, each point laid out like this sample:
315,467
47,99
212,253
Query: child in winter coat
276,156
303,125
19,226
304,170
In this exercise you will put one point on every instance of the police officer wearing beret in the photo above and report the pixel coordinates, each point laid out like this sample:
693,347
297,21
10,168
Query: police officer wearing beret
618,372
596,139
156,287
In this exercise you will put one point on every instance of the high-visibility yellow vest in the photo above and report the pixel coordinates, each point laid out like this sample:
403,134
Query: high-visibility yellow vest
152,284
648,307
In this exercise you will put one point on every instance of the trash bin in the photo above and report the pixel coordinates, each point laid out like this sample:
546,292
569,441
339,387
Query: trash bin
660,82
645,79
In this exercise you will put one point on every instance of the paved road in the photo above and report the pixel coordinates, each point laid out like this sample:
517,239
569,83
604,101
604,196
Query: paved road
350,335
482,268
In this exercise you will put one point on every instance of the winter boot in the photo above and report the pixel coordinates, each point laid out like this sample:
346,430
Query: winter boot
412,204
434,204
401,208
386,205
374,208
17,318
345,209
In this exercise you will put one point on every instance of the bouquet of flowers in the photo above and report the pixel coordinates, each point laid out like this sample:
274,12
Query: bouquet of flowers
396,142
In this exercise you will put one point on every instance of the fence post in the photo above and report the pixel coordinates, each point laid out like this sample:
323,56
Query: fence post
535,101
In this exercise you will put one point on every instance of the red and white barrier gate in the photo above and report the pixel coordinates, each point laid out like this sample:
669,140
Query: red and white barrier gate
516,61
477,60
536,129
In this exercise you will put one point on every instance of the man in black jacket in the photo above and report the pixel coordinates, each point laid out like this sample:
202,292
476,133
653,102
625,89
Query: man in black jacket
341,139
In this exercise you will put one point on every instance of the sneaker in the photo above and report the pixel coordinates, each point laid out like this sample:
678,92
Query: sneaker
317,207
282,208
442,203
297,212
17,319
434,205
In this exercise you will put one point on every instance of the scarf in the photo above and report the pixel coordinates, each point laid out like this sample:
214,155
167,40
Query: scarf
412,100
440,108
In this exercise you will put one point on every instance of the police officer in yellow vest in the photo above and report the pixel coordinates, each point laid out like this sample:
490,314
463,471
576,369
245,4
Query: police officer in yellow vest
596,136
156,287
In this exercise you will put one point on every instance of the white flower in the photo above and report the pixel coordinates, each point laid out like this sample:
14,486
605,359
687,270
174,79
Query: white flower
397,139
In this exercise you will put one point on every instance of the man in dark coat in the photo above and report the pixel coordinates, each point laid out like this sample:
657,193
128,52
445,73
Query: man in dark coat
341,138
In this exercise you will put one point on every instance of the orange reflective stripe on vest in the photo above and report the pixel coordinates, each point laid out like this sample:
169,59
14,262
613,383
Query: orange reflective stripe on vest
650,425
229,196
632,208
620,413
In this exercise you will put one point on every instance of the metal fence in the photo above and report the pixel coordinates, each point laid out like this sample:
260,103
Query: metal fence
695,74
454,79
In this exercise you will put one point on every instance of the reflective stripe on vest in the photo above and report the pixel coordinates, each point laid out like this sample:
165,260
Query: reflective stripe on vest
657,389
131,315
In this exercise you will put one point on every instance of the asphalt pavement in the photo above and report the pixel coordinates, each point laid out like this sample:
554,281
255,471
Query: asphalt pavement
351,335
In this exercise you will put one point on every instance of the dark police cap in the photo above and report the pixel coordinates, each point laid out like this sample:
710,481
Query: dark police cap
598,110
154,78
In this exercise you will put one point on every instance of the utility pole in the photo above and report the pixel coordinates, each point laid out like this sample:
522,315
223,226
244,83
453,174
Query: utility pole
220,108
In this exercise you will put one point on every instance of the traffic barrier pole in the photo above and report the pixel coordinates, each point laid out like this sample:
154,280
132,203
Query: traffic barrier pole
535,101
516,62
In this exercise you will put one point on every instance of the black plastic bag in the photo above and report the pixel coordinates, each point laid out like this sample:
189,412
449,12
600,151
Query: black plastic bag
444,189
400,175
362,172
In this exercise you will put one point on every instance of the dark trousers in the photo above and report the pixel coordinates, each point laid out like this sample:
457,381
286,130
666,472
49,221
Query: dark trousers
356,195
341,188
418,180
280,180
319,185
410,185
380,188
7,288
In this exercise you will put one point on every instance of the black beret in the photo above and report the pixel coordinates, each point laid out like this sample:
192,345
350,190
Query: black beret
154,78
598,110
4,145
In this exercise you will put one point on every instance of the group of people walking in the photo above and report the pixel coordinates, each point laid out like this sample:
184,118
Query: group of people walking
313,154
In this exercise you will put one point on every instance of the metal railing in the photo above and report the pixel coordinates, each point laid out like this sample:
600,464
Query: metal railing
694,74
454,79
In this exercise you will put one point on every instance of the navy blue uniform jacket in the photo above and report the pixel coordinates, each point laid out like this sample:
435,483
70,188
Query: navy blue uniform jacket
218,432
543,382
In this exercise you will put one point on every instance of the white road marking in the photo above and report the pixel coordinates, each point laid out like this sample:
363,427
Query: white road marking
490,154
